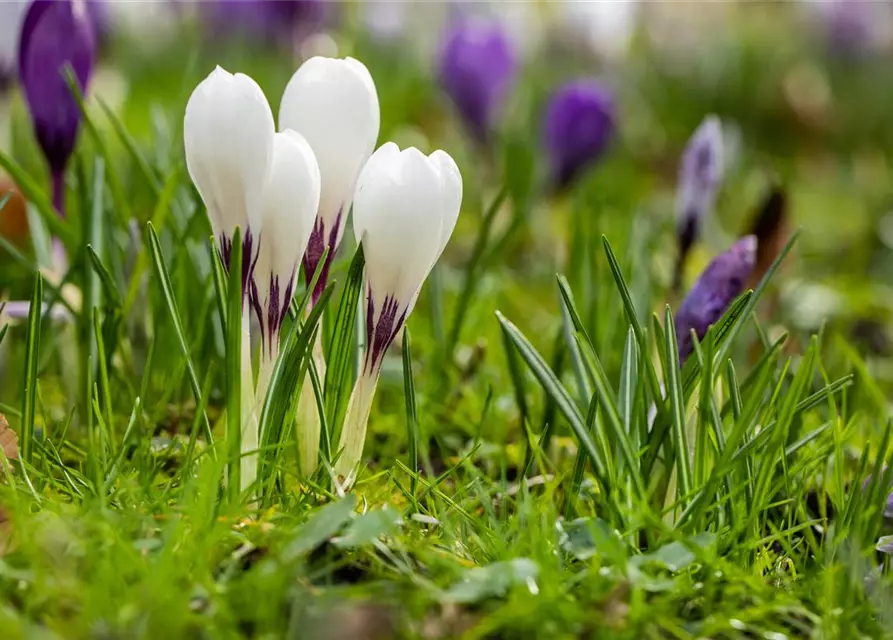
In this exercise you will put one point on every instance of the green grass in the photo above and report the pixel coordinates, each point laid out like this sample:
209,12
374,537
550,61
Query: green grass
514,483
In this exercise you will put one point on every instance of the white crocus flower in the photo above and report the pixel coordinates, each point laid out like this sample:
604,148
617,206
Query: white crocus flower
333,104
405,209
290,202
228,134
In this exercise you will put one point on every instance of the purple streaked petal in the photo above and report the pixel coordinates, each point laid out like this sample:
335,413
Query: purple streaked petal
249,258
381,331
316,247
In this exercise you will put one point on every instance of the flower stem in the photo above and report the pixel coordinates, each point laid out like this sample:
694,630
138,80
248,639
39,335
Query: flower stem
353,434
265,373
308,415
249,415
58,187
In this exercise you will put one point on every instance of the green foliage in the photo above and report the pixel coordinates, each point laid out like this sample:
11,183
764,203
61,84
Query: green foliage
550,471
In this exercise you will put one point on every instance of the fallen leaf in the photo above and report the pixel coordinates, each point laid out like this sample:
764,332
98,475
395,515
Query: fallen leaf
770,226
9,441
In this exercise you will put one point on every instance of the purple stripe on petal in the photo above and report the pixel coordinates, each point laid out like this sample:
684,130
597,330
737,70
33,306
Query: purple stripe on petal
257,308
315,249
381,333
273,312
249,258
370,318
286,299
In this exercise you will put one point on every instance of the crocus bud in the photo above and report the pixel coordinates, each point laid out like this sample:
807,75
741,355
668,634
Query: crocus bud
228,134
477,69
700,174
579,124
55,34
721,282
405,210
333,104
290,202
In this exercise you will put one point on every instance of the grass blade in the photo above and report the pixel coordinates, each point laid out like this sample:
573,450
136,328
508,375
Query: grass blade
339,359
235,421
565,404
167,291
412,417
32,354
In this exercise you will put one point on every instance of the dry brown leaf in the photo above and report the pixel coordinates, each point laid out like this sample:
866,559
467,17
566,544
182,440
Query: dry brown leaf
9,441
771,228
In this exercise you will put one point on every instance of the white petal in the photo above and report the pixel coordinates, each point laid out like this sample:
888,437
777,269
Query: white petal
228,135
290,203
452,195
334,105
398,215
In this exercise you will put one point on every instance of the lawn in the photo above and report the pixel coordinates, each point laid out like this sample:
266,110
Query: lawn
549,452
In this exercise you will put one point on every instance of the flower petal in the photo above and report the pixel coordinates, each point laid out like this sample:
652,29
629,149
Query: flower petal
228,134
398,217
451,179
334,105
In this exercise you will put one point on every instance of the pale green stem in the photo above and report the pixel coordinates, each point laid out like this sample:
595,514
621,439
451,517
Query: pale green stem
249,415
353,433
308,422
265,373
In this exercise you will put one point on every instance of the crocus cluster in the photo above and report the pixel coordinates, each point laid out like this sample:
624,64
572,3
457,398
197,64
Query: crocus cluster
477,70
55,35
579,125
700,175
721,282
290,192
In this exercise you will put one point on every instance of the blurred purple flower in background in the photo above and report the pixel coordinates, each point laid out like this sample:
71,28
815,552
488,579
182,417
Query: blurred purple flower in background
55,34
850,26
700,174
281,21
579,125
721,282
477,69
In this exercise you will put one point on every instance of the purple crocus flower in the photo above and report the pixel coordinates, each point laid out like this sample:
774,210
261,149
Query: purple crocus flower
700,174
477,69
721,282
579,125
55,34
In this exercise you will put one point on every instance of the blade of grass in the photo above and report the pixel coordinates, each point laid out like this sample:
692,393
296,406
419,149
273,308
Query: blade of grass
565,404
168,293
339,359
235,421
412,417
29,385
